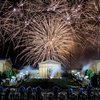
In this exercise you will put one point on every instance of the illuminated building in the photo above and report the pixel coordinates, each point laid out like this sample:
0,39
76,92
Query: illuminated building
96,66
50,69
5,65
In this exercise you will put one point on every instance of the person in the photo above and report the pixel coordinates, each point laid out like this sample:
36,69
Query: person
67,90
56,90
39,93
29,93
61,96
12,94
33,90
89,90
80,93
22,92
17,95
7,92
33,93
69,93
1,90
50,96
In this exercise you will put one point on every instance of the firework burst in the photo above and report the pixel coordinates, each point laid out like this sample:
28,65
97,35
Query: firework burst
50,38
50,29
89,23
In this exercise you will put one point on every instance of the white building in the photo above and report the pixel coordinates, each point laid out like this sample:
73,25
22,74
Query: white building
50,69
96,66
5,65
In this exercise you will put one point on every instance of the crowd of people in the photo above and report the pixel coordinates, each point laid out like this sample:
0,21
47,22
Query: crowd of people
12,92
56,93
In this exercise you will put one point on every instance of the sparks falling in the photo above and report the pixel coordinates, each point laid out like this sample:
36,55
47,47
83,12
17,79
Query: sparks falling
50,29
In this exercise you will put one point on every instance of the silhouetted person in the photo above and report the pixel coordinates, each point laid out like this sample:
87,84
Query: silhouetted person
17,95
12,94
29,93
89,90
61,97
22,91
33,93
67,90
80,93
69,93
56,90
1,90
7,92
38,93
33,90
50,96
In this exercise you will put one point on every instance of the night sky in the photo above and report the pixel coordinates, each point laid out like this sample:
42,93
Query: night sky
7,49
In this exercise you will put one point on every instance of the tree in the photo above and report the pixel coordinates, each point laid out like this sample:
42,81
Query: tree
9,73
89,73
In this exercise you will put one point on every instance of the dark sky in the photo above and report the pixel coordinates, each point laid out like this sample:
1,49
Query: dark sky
7,49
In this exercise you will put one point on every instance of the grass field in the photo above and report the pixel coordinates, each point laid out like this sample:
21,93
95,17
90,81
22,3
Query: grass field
49,83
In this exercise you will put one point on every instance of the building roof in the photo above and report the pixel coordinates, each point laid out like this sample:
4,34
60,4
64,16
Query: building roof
49,62
5,60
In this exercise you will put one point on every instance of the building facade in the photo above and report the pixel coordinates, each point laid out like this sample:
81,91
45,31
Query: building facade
5,65
50,69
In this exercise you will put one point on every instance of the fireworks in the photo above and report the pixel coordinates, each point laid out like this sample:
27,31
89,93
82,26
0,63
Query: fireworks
50,29
50,38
